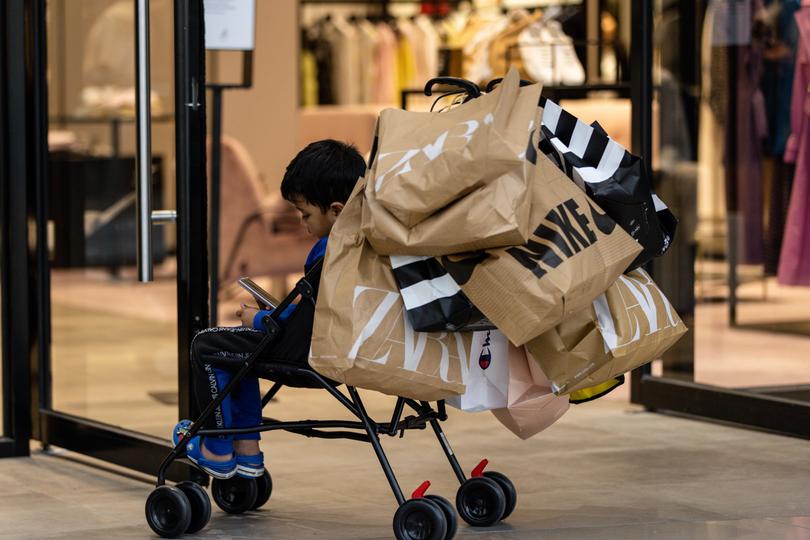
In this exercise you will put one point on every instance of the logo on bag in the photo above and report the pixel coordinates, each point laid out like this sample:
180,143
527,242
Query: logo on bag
388,335
571,233
486,356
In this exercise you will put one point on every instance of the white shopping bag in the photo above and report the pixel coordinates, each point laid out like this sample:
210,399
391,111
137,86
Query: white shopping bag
487,378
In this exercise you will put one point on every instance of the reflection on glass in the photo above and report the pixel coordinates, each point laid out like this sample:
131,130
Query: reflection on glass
114,340
724,153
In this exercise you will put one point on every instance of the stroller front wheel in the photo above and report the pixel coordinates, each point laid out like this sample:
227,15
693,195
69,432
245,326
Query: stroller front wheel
264,487
168,511
200,505
235,495
420,519
508,490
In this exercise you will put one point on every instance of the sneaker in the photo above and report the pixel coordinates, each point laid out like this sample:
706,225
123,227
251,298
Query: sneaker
221,470
250,466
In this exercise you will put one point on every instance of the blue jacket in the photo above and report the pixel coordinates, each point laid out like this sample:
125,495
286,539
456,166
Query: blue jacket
317,251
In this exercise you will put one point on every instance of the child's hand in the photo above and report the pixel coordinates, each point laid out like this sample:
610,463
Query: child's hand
246,314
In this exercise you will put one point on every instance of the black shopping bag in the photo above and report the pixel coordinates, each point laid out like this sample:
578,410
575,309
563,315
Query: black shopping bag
433,300
611,176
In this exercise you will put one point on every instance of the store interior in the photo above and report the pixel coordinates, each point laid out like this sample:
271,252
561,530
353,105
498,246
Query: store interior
325,69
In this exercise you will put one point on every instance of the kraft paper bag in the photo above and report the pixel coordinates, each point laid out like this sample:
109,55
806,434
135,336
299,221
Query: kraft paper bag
631,324
427,160
531,405
467,188
361,335
486,379
574,254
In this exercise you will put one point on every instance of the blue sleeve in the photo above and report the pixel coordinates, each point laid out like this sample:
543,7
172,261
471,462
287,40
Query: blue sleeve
258,324
317,251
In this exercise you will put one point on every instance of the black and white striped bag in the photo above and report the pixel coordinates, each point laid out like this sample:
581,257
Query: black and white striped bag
611,176
433,301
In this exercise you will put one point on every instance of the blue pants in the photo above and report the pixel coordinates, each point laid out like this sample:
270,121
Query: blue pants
216,354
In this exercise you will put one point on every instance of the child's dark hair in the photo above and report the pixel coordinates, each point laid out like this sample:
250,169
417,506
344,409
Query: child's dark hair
322,173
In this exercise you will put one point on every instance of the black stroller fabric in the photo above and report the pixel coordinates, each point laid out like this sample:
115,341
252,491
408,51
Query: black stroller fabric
433,301
611,176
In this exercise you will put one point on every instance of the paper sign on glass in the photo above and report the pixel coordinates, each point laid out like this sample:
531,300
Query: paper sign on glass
230,24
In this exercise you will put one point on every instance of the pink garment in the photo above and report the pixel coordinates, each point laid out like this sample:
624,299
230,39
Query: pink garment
794,262
385,65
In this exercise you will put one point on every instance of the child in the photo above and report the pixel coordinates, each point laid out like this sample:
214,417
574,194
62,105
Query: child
318,181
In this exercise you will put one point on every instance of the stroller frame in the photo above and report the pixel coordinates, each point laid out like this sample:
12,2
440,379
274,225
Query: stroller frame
316,428
483,498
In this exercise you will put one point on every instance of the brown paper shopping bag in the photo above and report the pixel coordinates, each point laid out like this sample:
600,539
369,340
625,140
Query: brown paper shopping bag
631,324
574,254
531,405
361,335
456,181
427,160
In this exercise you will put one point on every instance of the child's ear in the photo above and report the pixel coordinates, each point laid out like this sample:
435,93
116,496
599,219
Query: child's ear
336,208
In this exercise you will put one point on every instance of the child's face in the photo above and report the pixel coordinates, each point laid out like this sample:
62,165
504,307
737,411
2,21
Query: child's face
317,222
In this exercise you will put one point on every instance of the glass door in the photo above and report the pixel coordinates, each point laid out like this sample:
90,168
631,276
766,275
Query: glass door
723,73
123,224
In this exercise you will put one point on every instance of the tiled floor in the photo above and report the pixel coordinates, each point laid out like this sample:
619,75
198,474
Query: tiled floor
607,470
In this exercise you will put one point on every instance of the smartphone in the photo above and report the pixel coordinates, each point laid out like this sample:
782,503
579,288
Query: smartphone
263,298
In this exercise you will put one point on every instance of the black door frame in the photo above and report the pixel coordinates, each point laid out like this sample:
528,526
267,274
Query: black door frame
26,343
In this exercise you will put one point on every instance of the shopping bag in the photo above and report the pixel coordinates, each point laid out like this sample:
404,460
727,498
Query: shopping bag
576,252
455,181
487,376
611,176
427,160
433,301
531,405
631,324
361,335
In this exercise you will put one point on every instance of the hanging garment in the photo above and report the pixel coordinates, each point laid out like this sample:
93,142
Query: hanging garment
342,37
309,78
711,207
427,50
504,51
475,62
367,52
794,263
385,66
322,52
406,57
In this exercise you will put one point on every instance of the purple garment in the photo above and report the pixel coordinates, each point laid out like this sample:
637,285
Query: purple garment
794,263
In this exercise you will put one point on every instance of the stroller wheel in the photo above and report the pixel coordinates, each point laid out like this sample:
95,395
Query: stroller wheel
450,515
234,495
420,519
480,501
508,490
200,505
168,511
264,488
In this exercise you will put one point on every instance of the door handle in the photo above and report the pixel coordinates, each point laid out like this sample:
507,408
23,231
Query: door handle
143,155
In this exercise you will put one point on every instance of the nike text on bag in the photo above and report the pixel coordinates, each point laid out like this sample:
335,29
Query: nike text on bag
574,254
613,177
433,301
455,181
487,375
531,405
631,324
361,335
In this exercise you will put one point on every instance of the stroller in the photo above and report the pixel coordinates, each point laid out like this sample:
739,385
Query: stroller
483,499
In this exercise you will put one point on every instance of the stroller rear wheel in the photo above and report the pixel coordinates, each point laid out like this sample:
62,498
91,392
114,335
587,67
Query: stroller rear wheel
200,505
480,501
235,495
508,489
264,488
420,519
168,511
